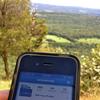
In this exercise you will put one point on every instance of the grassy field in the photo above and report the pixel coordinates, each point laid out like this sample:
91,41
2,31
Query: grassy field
57,39
78,46
89,40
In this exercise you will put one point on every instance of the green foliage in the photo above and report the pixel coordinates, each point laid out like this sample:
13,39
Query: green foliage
73,25
38,33
90,72
15,21
17,32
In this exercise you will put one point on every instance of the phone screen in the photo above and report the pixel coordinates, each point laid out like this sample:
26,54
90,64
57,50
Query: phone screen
42,86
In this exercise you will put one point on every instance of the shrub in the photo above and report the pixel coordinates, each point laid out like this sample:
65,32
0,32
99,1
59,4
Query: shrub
90,71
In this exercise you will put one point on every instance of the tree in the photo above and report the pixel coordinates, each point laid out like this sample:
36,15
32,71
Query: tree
16,29
39,30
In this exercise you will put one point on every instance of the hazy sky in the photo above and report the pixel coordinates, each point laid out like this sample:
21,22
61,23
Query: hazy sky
81,3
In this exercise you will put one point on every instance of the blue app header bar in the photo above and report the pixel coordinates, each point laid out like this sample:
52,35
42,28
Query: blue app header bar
42,78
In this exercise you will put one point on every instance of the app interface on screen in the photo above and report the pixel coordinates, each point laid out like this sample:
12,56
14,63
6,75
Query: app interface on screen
39,86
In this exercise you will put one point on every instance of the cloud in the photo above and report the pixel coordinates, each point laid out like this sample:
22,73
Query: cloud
81,3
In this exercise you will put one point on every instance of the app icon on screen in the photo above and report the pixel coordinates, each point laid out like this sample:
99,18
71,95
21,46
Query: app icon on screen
25,90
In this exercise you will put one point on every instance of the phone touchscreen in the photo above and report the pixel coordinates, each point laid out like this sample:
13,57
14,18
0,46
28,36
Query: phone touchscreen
42,86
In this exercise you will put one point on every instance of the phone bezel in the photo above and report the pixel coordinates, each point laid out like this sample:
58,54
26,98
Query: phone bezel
17,71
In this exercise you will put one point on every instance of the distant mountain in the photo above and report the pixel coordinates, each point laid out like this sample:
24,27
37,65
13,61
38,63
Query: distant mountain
65,9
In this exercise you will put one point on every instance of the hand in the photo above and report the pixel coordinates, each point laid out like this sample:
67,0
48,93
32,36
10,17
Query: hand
4,95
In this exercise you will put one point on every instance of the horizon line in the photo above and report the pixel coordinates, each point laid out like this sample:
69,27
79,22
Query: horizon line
68,6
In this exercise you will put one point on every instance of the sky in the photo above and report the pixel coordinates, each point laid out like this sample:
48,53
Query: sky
81,3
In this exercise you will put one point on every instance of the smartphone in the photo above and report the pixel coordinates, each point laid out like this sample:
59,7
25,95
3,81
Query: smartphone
43,76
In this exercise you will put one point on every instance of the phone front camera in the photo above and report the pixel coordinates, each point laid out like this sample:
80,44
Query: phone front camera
37,64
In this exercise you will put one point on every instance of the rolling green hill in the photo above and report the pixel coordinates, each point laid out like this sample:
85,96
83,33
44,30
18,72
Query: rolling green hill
73,25
74,33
